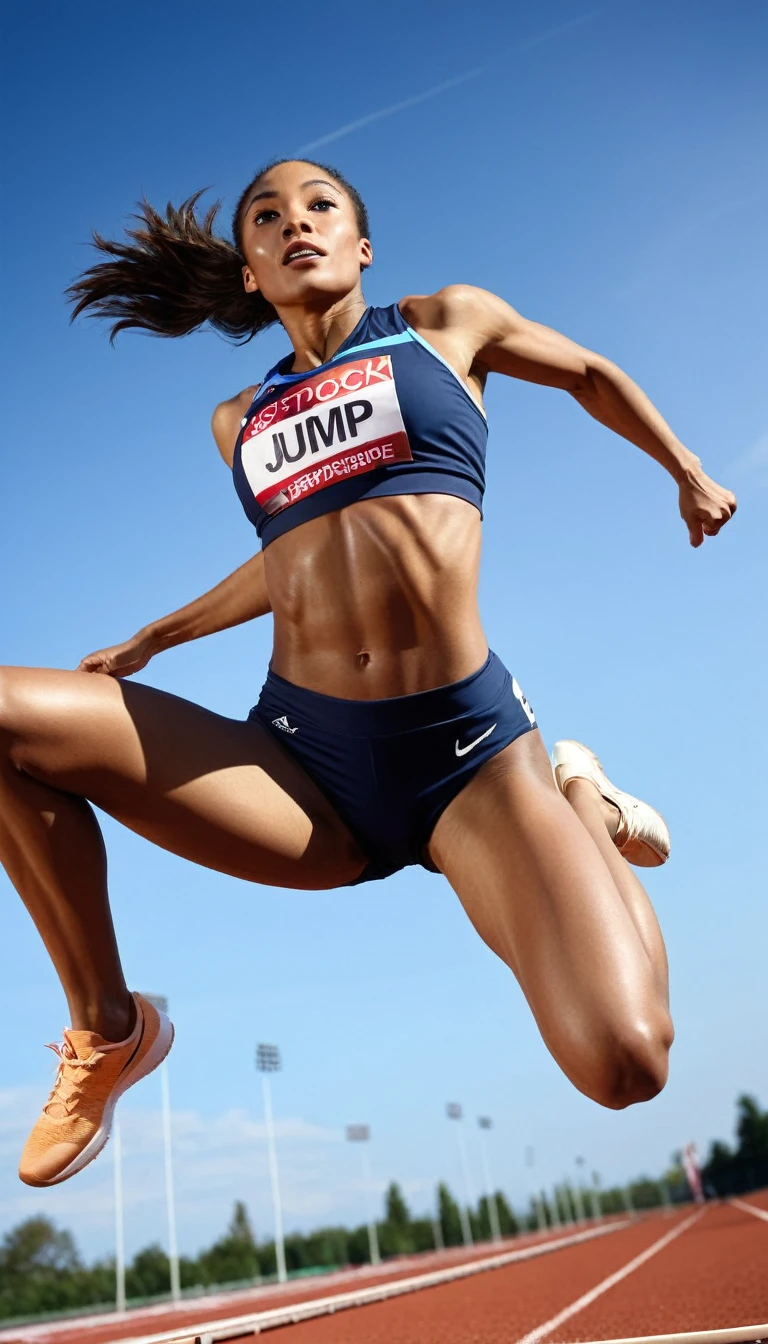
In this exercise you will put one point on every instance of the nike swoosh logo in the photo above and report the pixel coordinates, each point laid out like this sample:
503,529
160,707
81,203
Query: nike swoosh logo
462,751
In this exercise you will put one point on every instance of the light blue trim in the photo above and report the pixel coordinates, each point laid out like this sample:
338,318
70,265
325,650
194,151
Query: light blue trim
280,378
416,337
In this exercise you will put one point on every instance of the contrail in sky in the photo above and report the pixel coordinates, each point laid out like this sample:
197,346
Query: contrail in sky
436,89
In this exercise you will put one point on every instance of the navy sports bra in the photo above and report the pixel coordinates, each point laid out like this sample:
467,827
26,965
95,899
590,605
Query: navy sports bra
385,416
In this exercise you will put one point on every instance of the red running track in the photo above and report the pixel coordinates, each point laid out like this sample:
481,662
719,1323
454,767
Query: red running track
713,1276
711,1272
108,1329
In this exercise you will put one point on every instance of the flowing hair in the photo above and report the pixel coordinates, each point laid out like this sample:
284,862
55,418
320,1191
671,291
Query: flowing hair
173,273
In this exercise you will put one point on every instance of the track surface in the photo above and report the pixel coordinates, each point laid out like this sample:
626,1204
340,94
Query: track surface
713,1275
108,1329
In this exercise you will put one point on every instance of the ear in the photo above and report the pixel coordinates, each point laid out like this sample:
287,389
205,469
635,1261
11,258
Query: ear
365,253
249,281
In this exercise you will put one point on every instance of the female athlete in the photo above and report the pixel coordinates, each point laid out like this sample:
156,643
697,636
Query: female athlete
386,733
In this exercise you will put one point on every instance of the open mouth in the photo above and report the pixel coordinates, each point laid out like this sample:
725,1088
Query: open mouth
301,252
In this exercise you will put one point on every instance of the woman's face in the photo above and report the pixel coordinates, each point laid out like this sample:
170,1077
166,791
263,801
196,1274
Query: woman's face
299,238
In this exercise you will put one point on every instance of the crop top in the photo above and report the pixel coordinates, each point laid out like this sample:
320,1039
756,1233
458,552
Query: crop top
387,415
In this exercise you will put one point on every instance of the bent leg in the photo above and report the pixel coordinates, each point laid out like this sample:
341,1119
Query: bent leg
214,790
575,927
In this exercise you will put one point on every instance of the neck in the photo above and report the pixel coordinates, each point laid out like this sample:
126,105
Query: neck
316,334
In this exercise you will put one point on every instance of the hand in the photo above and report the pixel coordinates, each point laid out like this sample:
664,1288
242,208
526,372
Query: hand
122,660
705,506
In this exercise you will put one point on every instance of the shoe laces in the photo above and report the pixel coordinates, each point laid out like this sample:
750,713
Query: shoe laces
72,1072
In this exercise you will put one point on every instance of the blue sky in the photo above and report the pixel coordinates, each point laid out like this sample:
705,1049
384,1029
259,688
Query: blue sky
603,169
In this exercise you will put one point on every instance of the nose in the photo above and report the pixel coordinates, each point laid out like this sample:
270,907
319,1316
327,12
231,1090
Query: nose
296,226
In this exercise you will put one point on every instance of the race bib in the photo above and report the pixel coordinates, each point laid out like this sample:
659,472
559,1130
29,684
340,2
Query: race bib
336,425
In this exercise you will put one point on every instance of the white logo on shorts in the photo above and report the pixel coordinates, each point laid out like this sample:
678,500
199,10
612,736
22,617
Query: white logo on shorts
283,723
462,751
526,707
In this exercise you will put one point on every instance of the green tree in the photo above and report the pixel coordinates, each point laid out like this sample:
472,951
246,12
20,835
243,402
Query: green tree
448,1213
149,1274
751,1130
234,1257
39,1269
395,1232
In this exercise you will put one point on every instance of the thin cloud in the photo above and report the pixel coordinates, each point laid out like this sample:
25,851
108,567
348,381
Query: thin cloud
347,129
390,111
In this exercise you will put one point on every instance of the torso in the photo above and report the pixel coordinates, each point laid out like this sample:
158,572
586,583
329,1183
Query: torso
378,597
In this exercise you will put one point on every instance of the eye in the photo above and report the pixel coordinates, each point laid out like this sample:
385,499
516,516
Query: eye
263,215
323,204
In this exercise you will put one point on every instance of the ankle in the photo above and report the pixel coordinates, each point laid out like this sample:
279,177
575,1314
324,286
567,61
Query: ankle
584,795
112,1018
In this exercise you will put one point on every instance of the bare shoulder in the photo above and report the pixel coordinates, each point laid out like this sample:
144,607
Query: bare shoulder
453,307
225,421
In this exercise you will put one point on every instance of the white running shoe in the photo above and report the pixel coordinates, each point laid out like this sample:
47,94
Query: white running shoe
642,837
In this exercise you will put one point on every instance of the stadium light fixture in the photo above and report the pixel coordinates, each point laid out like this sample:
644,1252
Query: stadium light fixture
361,1134
485,1123
268,1061
454,1112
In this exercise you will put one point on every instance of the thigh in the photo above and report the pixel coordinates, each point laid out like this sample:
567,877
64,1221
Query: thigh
218,791
537,889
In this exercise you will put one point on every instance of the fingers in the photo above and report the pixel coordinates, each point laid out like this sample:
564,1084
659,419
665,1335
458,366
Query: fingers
695,532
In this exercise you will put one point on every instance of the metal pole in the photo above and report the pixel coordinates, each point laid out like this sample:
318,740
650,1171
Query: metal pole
466,1229
373,1231
594,1196
273,1176
626,1195
119,1229
173,1248
493,1213
161,1003
665,1197
579,1204
557,1220
541,1217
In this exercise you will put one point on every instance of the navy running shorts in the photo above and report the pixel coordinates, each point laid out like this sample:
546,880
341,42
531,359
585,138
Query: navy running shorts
390,767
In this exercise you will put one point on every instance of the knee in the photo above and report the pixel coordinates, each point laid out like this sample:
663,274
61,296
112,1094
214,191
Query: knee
635,1063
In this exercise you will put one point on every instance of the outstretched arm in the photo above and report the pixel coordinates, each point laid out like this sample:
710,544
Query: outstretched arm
500,340
242,596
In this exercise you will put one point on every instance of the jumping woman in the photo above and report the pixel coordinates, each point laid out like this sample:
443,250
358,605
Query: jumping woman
386,733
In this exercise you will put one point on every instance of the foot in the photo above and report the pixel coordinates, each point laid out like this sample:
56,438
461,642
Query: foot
641,836
92,1074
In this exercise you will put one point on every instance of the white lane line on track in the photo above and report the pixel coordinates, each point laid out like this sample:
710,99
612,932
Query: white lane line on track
741,1334
547,1327
749,1208
254,1323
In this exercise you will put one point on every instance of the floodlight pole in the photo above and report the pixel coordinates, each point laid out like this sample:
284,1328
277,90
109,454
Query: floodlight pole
594,1196
556,1218
361,1134
454,1112
161,1002
485,1123
268,1061
538,1202
117,1149
577,1195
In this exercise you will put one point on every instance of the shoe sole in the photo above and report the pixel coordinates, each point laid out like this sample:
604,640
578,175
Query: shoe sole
157,1052
640,853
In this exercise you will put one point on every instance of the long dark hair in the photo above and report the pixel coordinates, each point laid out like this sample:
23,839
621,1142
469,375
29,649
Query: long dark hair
173,273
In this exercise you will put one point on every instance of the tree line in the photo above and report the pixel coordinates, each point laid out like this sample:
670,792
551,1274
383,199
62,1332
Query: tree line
42,1272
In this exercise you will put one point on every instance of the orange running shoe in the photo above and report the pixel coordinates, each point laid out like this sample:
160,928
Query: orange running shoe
92,1075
